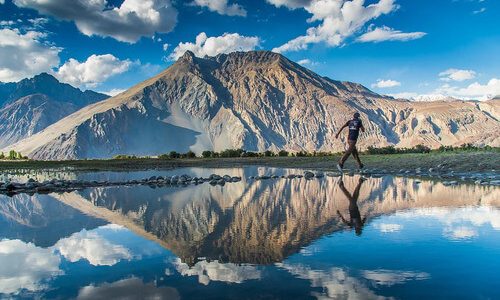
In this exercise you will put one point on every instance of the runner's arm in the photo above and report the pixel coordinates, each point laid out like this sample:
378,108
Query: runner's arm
341,128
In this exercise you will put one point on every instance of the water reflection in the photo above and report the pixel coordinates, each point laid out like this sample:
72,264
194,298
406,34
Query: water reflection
356,221
262,222
279,238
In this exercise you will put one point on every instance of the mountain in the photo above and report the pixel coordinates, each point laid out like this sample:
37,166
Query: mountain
432,97
31,105
254,100
48,85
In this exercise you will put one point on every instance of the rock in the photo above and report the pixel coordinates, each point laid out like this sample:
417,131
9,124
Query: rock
221,182
226,177
31,180
333,174
319,175
153,178
495,182
235,179
263,177
450,183
275,177
308,175
10,186
291,176
213,182
214,177
252,177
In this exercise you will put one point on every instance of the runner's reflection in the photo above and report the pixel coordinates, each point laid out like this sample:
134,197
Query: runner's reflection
356,221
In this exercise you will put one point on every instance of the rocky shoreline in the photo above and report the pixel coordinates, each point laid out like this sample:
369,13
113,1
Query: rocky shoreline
447,177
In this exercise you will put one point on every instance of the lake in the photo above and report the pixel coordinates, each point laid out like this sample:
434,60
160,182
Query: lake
324,238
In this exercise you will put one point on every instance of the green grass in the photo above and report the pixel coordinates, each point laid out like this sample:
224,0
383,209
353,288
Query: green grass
455,160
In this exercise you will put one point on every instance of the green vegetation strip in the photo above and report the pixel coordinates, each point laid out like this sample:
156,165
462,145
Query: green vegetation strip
462,161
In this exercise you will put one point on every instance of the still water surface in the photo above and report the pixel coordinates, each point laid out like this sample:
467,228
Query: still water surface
277,239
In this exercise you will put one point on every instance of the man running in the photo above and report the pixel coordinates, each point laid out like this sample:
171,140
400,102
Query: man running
354,126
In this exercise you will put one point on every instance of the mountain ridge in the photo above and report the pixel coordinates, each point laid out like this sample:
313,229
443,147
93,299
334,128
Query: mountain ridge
257,101
32,104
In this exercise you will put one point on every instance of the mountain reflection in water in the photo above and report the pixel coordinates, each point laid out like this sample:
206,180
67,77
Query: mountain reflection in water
279,238
262,222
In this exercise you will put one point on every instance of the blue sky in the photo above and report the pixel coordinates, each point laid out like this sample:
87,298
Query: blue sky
399,47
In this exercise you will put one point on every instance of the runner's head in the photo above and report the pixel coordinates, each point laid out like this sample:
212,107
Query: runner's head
356,115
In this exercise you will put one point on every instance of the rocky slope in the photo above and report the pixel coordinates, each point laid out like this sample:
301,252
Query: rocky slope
31,105
256,100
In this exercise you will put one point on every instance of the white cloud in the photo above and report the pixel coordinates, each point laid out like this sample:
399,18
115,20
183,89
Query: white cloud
2,1
457,75
126,23
222,7
25,266
459,223
165,47
304,61
386,228
339,19
215,271
113,92
291,4
461,233
92,247
385,33
390,277
130,288
7,22
211,46
475,90
307,62
479,11
386,83
25,54
90,73
334,283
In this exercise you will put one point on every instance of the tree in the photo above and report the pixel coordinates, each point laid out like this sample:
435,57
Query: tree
190,154
2,156
174,154
12,155
207,154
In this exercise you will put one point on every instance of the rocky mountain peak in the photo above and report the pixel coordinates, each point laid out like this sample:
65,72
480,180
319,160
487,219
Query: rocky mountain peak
257,101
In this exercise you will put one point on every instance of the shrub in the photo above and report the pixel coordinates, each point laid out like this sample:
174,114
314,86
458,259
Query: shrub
123,156
268,153
301,154
283,153
232,153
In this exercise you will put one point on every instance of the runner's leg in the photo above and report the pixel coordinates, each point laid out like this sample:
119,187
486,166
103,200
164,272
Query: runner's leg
348,152
355,154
